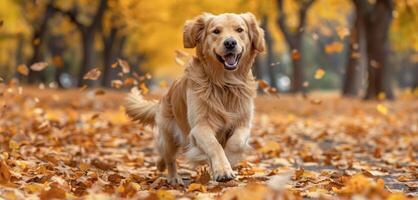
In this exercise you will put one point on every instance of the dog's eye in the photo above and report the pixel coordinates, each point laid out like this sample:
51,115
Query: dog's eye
239,30
216,31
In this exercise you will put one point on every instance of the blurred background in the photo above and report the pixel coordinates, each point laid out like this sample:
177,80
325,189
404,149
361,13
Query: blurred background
362,48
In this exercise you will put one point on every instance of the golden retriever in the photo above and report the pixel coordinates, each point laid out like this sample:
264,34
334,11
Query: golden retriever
208,111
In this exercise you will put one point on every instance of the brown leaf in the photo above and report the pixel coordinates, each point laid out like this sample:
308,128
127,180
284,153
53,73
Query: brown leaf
299,173
102,165
53,193
124,65
93,74
5,174
39,66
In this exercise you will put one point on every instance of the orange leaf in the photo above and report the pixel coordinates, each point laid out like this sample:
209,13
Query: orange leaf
22,69
196,187
5,174
295,54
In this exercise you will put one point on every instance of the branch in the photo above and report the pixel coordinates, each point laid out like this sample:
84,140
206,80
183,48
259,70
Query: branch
302,15
72,15
281,21
99,15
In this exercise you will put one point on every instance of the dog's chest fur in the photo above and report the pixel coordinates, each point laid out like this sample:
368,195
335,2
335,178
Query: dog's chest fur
222,105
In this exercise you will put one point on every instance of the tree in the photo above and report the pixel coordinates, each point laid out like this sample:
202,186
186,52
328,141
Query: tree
377,20
40,28
357,59
88,35
294,40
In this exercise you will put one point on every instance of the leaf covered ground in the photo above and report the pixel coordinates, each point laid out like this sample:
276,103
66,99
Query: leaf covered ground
79,144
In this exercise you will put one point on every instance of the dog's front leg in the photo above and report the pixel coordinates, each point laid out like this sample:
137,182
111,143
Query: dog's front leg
237,145
204,138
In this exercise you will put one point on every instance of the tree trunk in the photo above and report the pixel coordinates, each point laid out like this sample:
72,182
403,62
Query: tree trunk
109,57
357,59
377,32
37,41
88,58
270,53
294,41
297,65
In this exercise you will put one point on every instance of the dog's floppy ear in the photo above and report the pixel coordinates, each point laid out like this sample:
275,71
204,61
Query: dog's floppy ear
194,30
256,33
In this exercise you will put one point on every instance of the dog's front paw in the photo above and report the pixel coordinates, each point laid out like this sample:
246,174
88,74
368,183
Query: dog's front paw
175,180
224,175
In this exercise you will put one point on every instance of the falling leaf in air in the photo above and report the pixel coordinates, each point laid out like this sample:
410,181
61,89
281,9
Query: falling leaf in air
147,76
93,74
263,84
22,69
39,66
163,84
117,84
342,32
295,54
143,88
124,65
319,73
114,65
334,47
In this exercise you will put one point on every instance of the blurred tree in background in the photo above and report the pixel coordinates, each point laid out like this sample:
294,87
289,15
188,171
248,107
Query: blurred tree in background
365,48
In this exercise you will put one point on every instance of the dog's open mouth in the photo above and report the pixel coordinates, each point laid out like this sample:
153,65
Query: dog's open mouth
230,60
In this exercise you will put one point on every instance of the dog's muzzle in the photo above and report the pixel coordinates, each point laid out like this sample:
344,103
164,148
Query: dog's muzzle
230,60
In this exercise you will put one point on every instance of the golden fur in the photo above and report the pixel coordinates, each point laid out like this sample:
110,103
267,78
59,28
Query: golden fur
208,111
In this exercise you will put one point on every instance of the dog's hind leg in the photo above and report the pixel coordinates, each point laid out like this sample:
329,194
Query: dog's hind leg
167,147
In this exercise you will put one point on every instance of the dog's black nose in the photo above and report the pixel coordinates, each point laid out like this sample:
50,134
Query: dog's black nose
230,43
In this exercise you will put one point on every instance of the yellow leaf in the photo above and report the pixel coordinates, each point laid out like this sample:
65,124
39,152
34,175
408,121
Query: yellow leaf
34,187
143,88
334,47
163,84
382,109
165,195
319,73
396,196
22,69
381,96
196,187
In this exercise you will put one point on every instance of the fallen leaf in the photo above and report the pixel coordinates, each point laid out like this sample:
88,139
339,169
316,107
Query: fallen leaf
5,174
196,187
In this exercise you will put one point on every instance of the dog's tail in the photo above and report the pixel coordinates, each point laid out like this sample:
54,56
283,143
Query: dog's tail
139,109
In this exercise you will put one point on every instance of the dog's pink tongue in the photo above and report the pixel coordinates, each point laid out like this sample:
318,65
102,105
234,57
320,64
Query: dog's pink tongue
230,59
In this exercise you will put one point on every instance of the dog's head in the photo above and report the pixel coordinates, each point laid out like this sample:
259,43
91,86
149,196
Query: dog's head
224,39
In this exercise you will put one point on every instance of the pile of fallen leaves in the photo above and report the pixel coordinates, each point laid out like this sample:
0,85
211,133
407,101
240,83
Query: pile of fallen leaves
70,144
